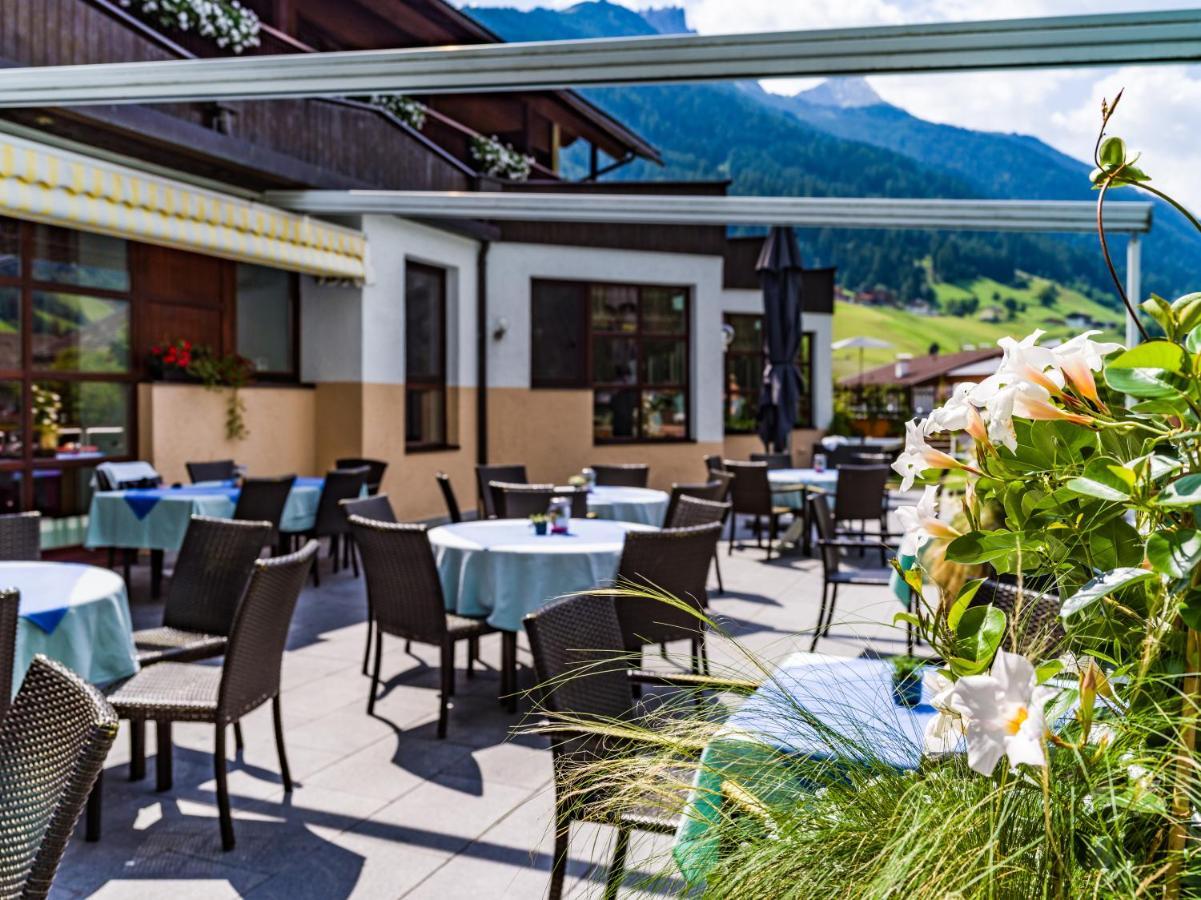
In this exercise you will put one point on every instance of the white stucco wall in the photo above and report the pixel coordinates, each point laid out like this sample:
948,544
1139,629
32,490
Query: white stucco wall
512,266
822,326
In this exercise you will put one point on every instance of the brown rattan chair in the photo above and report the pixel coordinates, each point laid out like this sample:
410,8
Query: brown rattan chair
714,463
53,742
1035,627
250,676
862,495
375,470
520,501
406,600
750,495
21,537
448,495
485,475
214,470
773,460
703,502
330,522
830,545
622,475
584,673
711,490
263,500
10,605
377,509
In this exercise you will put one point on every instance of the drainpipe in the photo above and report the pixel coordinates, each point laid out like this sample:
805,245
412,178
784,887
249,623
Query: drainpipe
481,354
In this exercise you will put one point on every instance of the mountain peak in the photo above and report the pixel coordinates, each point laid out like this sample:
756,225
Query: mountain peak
666,19
843,93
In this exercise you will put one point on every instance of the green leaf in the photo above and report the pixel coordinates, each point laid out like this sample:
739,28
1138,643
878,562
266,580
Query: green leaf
1102,586
977,636
1174,553
1047,670
907,618
966,594
977,547
1187,310
1114,543
1112,153
1184,491
1104,478
1153,370
1190,610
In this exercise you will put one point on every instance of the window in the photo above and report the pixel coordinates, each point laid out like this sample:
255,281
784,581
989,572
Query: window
425,356
744,375
267,320
629,343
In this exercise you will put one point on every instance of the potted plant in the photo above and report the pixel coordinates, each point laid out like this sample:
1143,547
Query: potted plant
171,361
907,680
540,521
225,372
47,417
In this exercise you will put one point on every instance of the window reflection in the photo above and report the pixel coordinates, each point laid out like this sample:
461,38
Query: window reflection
81,419
63,256
74,333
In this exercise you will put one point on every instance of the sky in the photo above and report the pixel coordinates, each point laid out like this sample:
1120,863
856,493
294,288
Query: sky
1158,115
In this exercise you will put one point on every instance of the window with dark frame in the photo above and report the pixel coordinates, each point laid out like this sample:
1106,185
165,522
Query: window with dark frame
629,343
744,375
425,356
267,313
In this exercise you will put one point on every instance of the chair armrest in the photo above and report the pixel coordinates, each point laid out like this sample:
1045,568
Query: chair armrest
687,679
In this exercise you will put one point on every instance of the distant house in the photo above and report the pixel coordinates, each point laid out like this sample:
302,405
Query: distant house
1080,320
923,382
877,296
992,314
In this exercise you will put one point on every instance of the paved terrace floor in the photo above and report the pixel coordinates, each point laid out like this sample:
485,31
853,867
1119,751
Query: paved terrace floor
381,808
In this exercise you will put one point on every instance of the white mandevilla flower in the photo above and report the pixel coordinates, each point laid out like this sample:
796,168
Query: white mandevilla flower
1004,714
918,455
945,731
1079,358
921,523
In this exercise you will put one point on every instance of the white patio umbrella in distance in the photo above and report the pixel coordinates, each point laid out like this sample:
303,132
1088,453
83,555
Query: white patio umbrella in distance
862,342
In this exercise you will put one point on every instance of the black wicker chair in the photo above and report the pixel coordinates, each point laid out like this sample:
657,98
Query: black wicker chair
221,696
214,470
520,501
448,495
21,537
1035,628
53,742
750,495
375,470
862,495
330,522
711,490
714,463
263,500
622,475
700,507
10,605
378,509
583,669
485,475
773,460
405,597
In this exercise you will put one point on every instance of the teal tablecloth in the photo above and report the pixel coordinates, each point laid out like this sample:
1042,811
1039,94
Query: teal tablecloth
157,519
76,614
788,486
815,707
500,569
628,504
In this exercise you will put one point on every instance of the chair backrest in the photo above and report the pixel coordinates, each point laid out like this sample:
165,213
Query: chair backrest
861,492
21,537
622,475
1033,614
375,470
674,561
725,479
485,475
211,573
823,522
250,675
10,603
714,463
402,578
340,484
53,742
264,499
773,460
692,511
579,657
520,501
706,491
212,470
115,476
750,492
448,494
377,508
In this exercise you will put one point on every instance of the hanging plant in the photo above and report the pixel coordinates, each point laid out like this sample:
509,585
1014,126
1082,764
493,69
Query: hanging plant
227,23
500,160
404,108
229,372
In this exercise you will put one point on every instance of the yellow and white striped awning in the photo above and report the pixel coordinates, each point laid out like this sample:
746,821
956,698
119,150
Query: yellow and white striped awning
58,187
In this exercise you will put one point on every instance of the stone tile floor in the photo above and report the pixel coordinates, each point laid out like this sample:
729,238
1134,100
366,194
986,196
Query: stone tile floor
381,808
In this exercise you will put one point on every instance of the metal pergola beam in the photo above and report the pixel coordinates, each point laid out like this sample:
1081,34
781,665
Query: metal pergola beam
1092,40
1129,217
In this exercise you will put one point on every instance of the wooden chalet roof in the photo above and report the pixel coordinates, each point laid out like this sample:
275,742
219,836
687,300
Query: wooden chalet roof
922,369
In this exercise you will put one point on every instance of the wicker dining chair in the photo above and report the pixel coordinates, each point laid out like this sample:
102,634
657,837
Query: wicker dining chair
53,741
703,500
406,600
714,463
1034,625
831,545
330,521
520,501
10,605
263,500
750,495
862,496
448,496
585,677
622,475
21,537
485,475
212,470
375,470
774,460
377,509
221,696
711,490
674,561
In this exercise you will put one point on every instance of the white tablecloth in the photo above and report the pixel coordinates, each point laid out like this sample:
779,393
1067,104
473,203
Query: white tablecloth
76,614
500,569
787,485
629,504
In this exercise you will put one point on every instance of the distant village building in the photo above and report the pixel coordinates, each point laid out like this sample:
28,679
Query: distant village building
923,382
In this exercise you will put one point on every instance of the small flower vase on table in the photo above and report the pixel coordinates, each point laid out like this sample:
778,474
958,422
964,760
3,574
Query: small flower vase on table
539,523
559,513
907,681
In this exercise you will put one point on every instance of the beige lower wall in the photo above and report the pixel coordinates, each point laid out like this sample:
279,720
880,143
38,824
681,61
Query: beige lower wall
182,422
741,446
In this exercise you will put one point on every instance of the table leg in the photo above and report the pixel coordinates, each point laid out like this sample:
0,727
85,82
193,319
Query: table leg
156,574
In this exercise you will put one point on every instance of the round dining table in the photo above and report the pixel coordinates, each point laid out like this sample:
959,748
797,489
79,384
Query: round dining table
628,504
501,570
75,614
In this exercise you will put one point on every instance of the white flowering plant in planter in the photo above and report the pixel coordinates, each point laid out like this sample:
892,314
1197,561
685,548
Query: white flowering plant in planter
500,160
228,23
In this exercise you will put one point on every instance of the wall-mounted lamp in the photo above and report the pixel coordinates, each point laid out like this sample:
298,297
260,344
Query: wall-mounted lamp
499,329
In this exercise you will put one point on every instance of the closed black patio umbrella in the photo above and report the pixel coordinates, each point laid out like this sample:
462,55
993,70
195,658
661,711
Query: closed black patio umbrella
779,270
